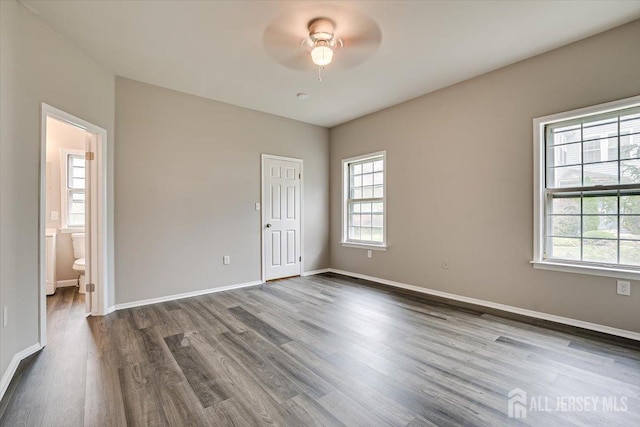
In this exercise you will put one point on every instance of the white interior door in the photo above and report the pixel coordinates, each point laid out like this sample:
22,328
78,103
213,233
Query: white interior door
281,217
89,177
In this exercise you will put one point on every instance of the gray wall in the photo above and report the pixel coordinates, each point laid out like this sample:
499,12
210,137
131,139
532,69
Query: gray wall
36,65
187,178
460,179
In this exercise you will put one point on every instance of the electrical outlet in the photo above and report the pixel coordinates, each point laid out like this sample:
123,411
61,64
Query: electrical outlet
257,206
369,253
624,288
226,260
54,215
445,264
5,316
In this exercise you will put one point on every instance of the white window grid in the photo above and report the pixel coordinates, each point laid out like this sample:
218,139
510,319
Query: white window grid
75,190
364,214
592,188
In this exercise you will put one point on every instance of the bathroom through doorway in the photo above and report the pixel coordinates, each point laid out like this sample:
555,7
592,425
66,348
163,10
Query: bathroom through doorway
72,217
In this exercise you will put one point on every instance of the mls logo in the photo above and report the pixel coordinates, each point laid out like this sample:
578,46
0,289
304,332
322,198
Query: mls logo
517,403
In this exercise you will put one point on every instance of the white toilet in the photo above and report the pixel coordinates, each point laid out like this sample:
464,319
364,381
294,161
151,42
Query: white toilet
77,240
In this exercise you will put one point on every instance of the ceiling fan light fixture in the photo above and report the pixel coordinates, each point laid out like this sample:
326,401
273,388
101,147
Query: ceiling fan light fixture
321,42
322,54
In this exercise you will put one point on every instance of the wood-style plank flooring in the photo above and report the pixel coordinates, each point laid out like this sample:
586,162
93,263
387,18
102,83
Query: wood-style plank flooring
320,350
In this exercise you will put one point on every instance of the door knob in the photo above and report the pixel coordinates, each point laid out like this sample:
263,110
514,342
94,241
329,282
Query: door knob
268,226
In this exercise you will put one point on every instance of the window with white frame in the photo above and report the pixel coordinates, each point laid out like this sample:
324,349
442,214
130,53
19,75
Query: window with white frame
588,201
73,189
364,207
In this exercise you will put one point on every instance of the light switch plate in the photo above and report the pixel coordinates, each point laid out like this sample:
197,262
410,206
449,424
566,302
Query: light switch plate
226,260
257,206
54,215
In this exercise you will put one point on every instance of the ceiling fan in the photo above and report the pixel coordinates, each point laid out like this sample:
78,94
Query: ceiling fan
305,38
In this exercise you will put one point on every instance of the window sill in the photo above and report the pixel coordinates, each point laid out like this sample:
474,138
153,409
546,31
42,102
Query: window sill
364,246
72,230
593,270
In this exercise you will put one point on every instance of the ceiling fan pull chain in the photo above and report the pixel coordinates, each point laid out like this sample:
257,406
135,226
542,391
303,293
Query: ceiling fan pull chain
320,73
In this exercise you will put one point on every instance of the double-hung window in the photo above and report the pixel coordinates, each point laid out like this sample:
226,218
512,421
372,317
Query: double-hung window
588,190
364,207
73,189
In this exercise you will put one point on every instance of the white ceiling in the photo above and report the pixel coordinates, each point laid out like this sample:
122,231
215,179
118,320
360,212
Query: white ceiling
215,49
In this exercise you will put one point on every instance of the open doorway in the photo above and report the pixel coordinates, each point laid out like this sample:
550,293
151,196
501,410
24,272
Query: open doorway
72,216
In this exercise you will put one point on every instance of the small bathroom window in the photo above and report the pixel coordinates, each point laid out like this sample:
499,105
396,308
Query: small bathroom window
73,198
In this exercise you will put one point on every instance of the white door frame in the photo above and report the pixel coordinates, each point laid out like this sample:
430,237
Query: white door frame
263,276
98,220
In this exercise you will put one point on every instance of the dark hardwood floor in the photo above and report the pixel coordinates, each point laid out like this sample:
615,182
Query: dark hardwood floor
321,350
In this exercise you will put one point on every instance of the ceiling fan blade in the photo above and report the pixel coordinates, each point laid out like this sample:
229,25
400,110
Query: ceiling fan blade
298,61
363,41
355,51
285,47
344,61
277,36
359,30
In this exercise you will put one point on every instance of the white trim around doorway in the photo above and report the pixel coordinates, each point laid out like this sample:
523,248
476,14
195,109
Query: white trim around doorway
99,216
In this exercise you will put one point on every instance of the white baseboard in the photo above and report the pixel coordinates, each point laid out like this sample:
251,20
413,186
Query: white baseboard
511,309
184,295
13,365
140,303
65,283
314,272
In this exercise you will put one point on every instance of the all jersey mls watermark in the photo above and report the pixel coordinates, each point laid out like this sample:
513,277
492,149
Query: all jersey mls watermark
520,403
